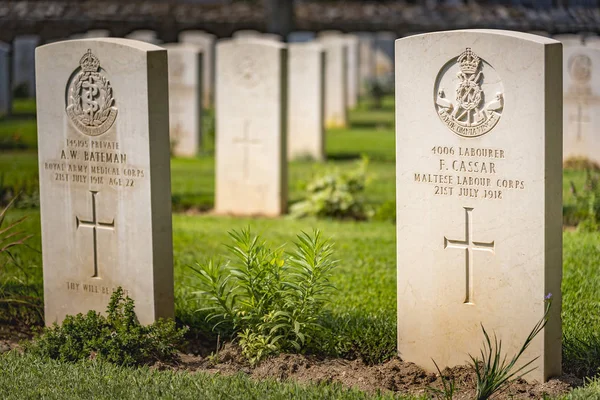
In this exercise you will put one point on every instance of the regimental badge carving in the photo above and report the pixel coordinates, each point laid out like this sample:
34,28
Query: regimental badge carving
476,105
580,68
90,102
247,70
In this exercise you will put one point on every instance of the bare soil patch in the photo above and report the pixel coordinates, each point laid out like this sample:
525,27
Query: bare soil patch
394,375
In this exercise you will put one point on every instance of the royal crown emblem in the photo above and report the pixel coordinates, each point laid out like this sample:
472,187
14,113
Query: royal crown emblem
90,102
468,115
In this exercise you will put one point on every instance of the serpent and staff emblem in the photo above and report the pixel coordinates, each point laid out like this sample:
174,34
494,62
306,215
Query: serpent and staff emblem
90,102
469,115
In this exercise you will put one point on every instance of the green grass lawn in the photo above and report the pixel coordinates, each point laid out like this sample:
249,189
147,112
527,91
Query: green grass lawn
363,309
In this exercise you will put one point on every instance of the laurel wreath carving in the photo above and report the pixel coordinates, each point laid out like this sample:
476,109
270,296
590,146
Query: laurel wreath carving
100,116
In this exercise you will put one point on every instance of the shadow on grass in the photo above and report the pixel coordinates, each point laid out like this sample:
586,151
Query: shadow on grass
343,156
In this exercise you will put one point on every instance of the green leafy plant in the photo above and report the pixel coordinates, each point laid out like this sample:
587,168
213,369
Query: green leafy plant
118,338
493,373
448,386
272,301
336,193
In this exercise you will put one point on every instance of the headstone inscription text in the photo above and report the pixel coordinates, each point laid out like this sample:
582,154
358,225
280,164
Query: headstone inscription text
104,176
479,184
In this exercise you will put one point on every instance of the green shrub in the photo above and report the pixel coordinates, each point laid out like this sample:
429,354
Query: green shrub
271,300
586,210
118,338
336,193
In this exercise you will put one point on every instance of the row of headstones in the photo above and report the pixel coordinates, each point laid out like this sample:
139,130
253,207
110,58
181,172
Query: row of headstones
478,174
376,58
323,78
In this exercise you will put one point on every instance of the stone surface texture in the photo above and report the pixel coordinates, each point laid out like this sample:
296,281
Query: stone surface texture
581,112
306,66
105,193
479,190
185,98
251,122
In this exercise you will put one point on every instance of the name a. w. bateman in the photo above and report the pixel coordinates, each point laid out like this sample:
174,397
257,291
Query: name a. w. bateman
100,156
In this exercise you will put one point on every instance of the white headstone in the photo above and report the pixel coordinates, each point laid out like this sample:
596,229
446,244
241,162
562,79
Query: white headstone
251,159
144,35
366,61
105,192
5,86
207,42
352,70
306,138
24,63
335,80
479,188
185,98
581,80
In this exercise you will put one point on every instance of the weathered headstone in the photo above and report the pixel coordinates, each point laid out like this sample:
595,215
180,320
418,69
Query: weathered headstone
185,98
23,77
581,119
479,188
352,70
301,36
144,35
5,86
366,61
305,106
335,80
105,193
207,42
251,159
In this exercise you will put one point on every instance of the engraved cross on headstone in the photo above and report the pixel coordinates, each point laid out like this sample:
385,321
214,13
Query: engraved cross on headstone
580,119
246,141
469,245
95,225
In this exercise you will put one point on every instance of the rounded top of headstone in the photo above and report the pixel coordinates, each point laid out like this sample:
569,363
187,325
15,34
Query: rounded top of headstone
130,43
195,35
251,41
493,32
